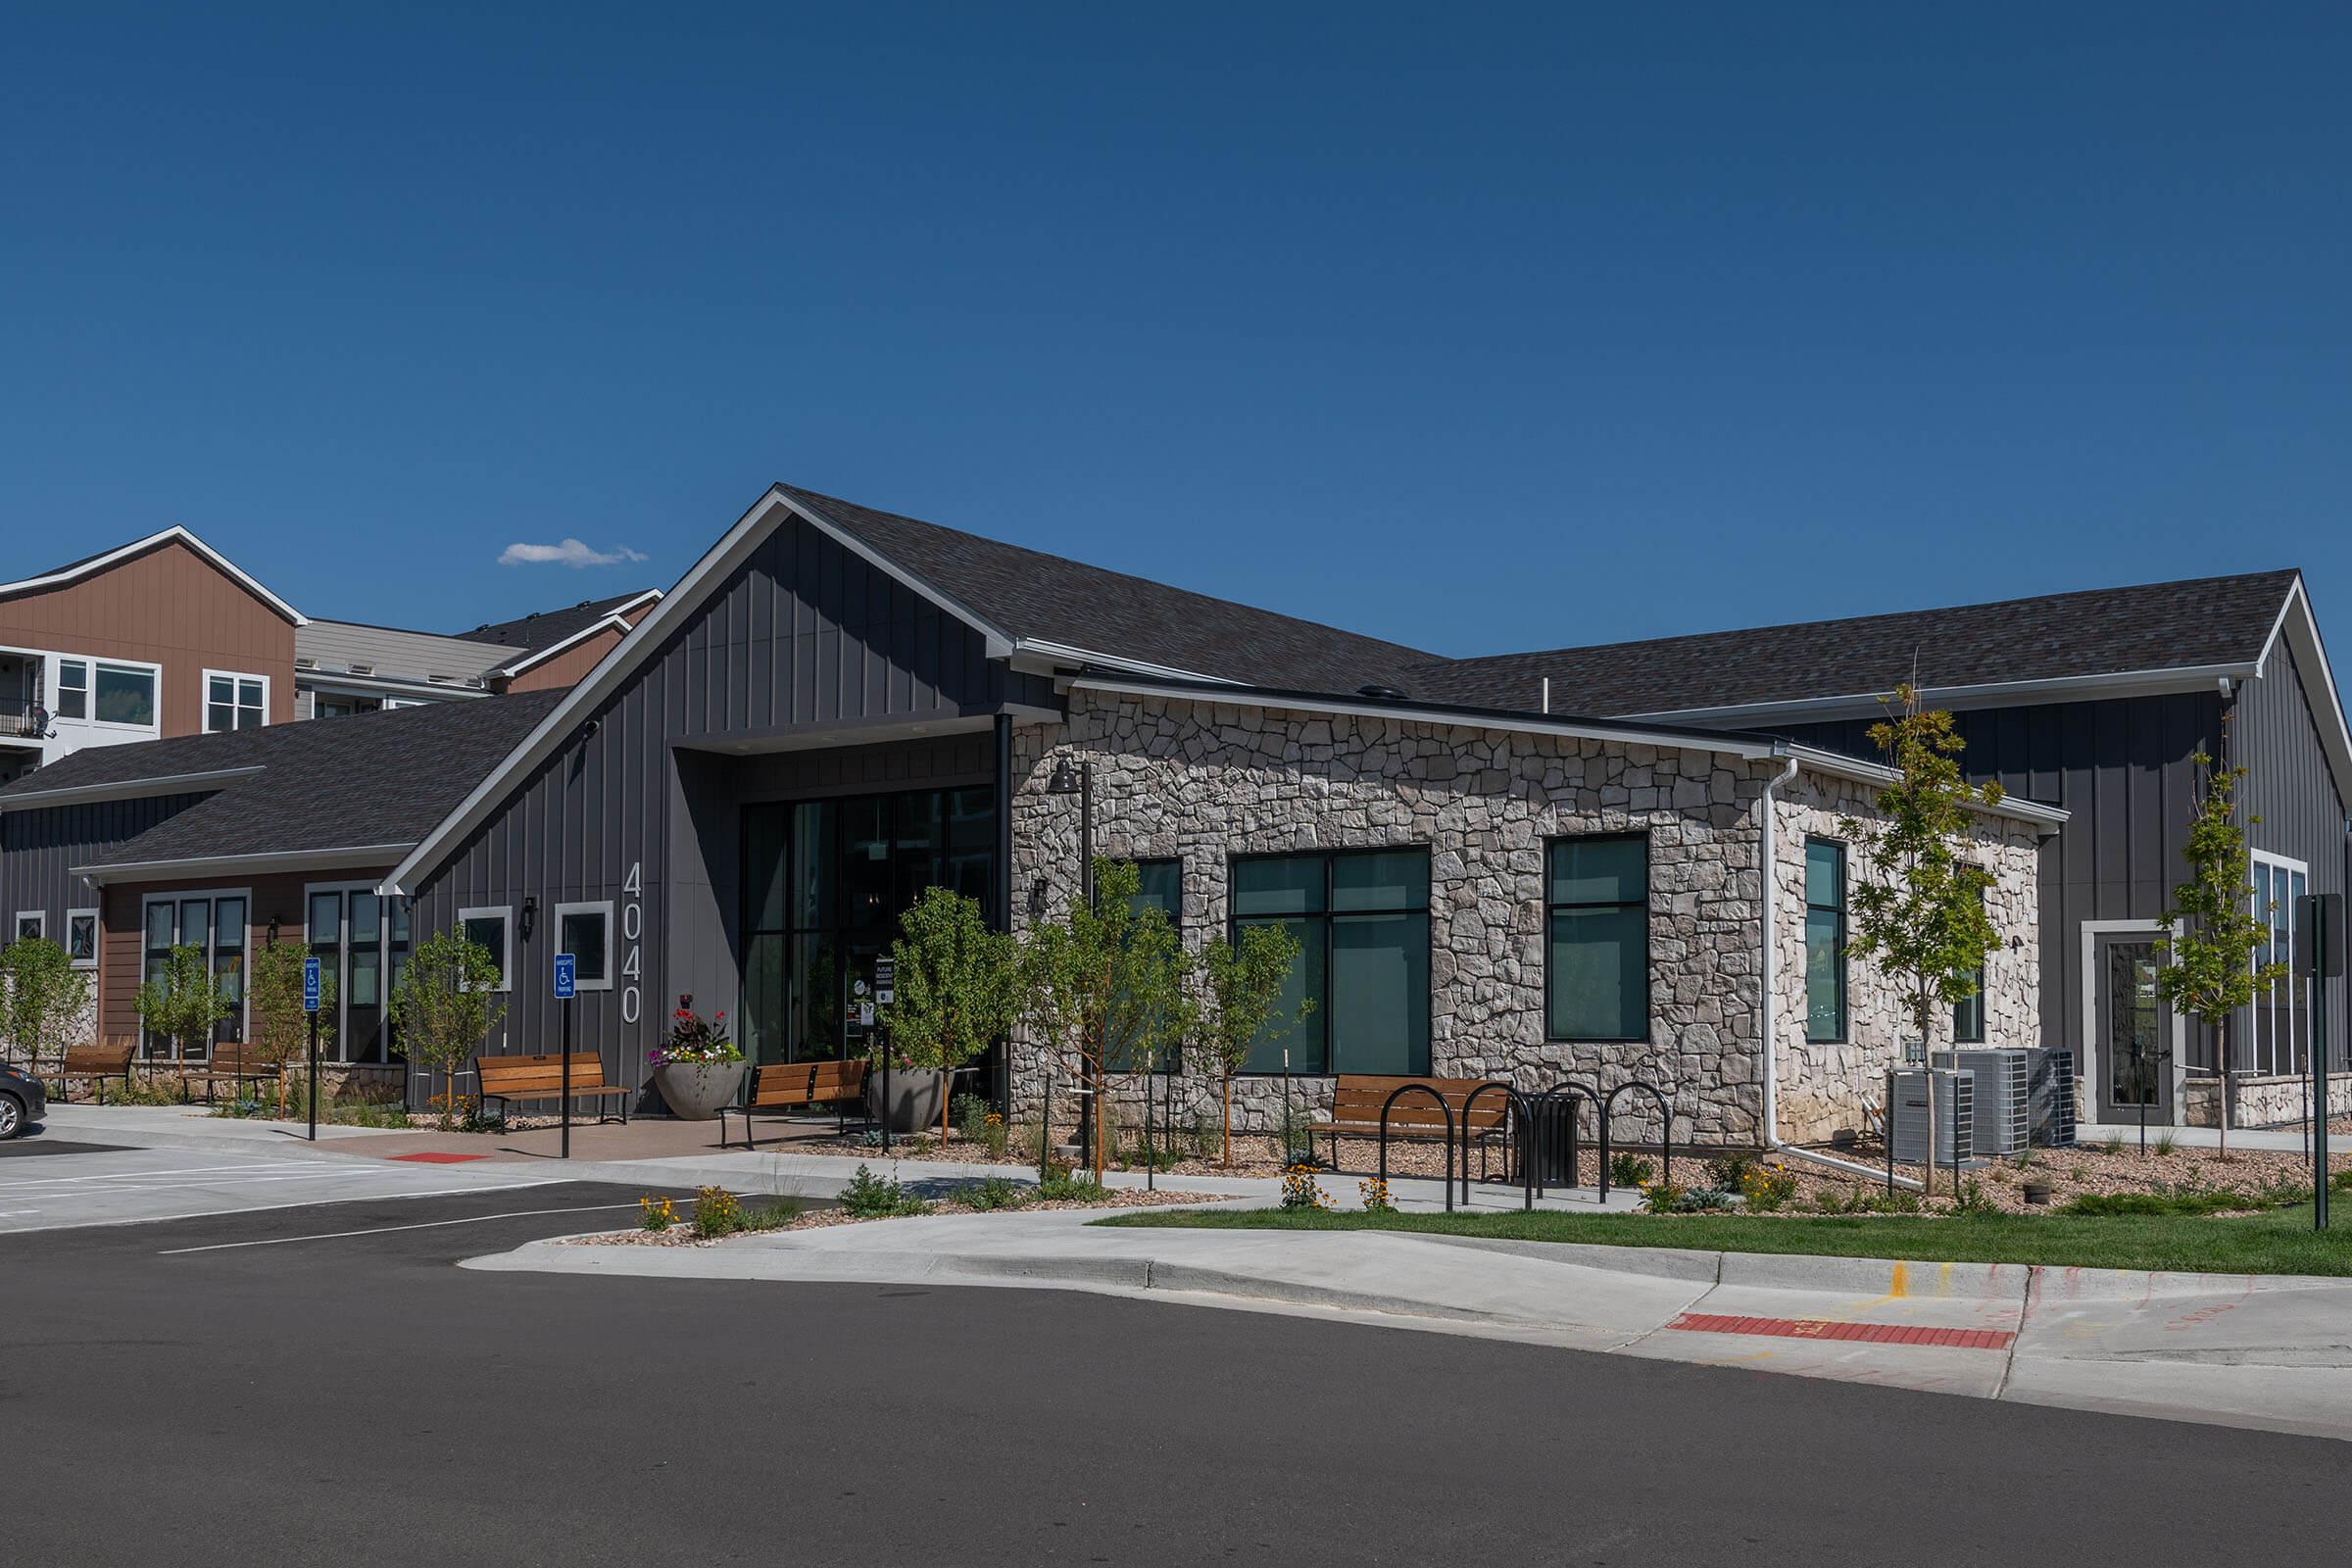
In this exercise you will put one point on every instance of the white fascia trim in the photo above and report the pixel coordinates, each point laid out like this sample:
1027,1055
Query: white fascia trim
1064,654
615,620
240,864
334,682
1627,735
58,579
999,642
722,557
2059,688
2049,819
128,789
2301,630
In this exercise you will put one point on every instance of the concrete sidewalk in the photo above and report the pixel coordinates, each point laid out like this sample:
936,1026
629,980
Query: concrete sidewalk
2271,1353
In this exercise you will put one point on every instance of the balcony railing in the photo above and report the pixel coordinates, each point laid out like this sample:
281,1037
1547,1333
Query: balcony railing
21,717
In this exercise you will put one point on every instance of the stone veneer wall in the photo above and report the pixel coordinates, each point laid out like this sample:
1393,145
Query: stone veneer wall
1825,1086
1205,781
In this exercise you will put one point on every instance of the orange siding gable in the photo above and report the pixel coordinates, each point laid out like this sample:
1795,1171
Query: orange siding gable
569,667
171,607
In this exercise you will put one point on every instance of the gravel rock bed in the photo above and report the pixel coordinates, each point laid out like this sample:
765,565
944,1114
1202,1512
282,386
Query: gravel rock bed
682,1233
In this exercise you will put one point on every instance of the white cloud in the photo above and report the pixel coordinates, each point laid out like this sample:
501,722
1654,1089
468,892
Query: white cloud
570,552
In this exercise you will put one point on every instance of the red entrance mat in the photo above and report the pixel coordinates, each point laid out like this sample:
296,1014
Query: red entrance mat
431,1158
1809,1328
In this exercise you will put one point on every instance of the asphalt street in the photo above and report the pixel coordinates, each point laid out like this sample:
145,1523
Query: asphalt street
340,1393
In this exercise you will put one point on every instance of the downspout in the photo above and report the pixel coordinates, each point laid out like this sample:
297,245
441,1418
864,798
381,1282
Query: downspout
1767,846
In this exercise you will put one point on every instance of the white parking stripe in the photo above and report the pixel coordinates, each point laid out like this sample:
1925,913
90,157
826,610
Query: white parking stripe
382,1230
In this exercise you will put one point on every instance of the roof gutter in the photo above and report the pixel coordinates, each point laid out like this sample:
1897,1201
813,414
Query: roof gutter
351,855
2047,819
125,789
2058,688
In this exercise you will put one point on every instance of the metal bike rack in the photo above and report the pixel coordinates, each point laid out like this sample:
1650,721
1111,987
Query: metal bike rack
1444,1110
1608,1104
1528,1183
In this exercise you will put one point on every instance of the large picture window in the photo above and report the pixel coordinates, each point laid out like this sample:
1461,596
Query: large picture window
122,694
2279,1041
1825,940
1160,885
214,924
1967,1013
1596,911
1361,919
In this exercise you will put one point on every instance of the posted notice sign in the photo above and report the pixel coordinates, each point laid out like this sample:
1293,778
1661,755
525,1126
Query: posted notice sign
310,985
568,977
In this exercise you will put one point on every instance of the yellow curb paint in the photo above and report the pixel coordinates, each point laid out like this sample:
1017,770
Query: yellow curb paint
1899,1283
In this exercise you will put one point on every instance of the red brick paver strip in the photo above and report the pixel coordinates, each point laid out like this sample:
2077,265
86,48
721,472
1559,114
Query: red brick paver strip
433,1158
1814,1328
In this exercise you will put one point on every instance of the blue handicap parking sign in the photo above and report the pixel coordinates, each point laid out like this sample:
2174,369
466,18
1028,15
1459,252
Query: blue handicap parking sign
568,977
310,985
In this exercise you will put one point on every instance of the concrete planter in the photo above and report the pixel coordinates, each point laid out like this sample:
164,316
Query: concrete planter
914,1099
694,1090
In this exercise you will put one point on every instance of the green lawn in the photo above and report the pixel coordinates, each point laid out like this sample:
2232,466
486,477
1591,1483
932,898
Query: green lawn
2279,1243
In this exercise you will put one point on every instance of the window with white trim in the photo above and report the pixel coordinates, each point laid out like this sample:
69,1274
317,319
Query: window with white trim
585,931
2278,1036
32,923
234,701
123,694
81,938
491,928
72,688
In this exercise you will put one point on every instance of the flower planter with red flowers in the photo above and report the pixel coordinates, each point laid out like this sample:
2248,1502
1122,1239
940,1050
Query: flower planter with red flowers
697,1067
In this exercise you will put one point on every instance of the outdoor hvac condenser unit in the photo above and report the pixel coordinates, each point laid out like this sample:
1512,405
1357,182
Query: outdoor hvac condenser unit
1955,1117
2050,1097
2000,1078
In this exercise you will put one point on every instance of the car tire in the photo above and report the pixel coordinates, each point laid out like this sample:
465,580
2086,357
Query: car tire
12,1116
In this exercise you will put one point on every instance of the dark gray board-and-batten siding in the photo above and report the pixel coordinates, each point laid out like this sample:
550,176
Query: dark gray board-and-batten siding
41,846
802,637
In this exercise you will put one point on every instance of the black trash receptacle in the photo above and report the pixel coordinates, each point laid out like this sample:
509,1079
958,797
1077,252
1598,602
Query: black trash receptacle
1549,1141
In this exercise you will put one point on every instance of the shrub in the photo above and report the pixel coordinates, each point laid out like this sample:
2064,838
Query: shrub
2166,1142
1628,1170
993,1192
1698,1199
1970,1198
716,1212
1062,1185
972,1114
872,1197
2340,1182
1663,1198
1769,1190
773,1215
1299,1189
1373,1191
1729,1173
656,1214
2112,1144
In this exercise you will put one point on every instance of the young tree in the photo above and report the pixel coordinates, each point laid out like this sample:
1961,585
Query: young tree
2210,972
281,1030
957,982
1923,915
1107,983
185,1000
41,996
1241,986
443,1006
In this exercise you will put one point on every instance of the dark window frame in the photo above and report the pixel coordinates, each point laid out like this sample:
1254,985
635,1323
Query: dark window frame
1844,943
1972,1007
1551,1032
1320,1018
1171,1061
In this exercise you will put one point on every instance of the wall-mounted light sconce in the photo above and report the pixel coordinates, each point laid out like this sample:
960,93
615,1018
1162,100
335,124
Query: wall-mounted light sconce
273,925
1037,898
531,915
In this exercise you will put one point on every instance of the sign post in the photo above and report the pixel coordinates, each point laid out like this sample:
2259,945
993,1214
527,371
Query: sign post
310,1007
2319,958
886,990
567,986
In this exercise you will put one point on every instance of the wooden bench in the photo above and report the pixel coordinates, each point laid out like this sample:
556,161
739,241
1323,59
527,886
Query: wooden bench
96,1063
541,1077
782,1086
236,1060
1356,1100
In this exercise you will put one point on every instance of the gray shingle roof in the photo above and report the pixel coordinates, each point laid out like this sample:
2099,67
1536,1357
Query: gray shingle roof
328,783
2105,631
545,627
1032,595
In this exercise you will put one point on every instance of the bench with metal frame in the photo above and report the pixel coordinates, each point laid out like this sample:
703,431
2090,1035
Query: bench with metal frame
235,1060
780,1088
97,1063
1366,1105
541,1077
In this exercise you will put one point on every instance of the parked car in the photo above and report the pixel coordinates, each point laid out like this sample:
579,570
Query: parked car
22,1101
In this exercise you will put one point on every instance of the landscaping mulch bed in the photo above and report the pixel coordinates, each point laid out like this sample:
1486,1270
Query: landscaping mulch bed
682,1233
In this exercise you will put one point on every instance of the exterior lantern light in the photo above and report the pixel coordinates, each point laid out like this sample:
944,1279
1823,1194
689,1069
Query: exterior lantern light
531,915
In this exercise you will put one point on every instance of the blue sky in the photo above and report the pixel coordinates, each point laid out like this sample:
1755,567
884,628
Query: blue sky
1477,328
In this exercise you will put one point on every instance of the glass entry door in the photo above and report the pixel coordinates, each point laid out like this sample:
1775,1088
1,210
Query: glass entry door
2135,1030
825,882
212,923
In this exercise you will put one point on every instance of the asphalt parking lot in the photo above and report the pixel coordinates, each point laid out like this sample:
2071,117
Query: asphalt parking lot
50,1180
321,1383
